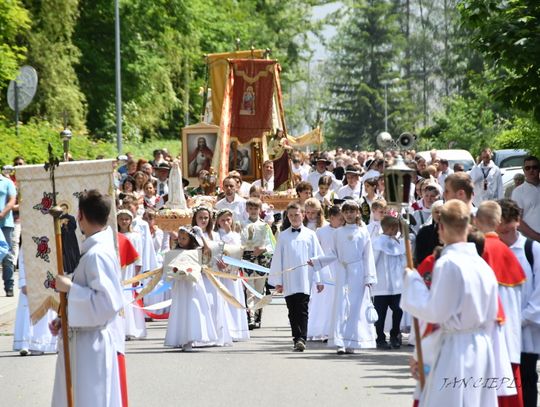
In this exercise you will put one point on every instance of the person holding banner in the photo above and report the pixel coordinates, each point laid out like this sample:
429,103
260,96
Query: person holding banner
94,300
463,300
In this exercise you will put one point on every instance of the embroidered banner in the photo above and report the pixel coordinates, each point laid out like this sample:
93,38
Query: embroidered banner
218,67
38,240
252,98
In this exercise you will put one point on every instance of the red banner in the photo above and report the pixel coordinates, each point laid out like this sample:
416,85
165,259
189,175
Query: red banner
252,96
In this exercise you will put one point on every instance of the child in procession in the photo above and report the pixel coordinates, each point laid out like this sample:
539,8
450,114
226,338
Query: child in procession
389,253
355,270
190,320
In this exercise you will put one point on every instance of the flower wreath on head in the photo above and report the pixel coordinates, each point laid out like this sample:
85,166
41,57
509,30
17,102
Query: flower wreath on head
223,211
202,207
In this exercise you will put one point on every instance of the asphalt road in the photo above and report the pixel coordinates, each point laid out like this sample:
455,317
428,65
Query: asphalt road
261,372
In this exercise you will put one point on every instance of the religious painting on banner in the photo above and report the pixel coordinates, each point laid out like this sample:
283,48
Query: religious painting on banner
252,98
37,227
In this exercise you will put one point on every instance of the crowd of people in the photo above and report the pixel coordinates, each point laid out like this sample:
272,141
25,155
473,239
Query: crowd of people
336,253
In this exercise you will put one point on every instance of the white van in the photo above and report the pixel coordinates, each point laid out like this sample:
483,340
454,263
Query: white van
462,157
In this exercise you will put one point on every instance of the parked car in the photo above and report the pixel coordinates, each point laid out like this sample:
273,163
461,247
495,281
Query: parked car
453,156
509,158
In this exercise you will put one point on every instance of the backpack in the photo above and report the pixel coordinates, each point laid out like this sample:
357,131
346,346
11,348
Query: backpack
529,252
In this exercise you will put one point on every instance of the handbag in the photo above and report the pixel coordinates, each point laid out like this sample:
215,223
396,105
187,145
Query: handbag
371,312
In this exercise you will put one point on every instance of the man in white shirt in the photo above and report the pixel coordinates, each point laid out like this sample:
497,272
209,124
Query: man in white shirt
267,182
445,171
162,173
527,196
233,201
487,179
320,169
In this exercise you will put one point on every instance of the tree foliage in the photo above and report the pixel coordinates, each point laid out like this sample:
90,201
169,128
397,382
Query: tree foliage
364,57
506,33
14,21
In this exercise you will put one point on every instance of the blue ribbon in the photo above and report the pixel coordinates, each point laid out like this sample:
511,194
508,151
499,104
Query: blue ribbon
231,261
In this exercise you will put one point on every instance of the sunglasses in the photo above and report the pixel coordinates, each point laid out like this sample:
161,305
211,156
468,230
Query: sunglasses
530,167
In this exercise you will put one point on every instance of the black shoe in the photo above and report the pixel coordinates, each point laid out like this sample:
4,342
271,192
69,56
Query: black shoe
9,293
395,343
383,345
299,346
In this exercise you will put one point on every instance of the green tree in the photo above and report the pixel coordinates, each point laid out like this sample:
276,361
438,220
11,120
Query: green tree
506,33
366,52
14,22
53,54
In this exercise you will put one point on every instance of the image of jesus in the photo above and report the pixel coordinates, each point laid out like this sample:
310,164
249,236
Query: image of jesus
200,158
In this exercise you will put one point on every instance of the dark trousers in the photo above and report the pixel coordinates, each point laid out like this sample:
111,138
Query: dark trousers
529,379
7,262
297,304
382,303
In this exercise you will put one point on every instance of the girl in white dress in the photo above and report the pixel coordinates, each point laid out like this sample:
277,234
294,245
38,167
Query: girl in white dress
190,321
314,214
202,217
236,317
321,303
135,325
355,270
28,338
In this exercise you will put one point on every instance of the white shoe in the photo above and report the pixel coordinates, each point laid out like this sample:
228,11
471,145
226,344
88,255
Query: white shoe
24,352
341,350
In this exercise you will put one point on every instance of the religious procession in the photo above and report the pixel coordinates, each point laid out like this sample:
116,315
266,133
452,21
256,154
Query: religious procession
415,259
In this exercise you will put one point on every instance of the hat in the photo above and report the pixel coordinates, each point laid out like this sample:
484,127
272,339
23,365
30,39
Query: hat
368,163
371,174
351,169
162,166
322,158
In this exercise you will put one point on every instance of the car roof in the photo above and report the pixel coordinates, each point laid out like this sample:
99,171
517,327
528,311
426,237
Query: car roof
451,154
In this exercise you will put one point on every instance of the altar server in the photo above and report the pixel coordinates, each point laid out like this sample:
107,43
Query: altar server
463,301
94,300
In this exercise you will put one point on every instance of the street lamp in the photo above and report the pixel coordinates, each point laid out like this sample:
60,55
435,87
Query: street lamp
66,137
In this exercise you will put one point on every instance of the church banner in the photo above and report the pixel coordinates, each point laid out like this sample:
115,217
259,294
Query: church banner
218,67
252,97
37,226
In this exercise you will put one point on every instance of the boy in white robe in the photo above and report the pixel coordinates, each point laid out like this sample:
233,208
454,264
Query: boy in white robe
94,300
355,270
295,246
463,301
528,254
389,253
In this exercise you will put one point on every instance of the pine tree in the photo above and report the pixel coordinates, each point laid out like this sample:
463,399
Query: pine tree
365,55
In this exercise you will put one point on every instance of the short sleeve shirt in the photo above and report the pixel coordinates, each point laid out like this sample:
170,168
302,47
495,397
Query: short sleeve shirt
7,191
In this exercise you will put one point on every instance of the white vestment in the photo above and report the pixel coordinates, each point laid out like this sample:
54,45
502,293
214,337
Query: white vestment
320,304
355,268
463,301
135,325
93,304
236,317
26,335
